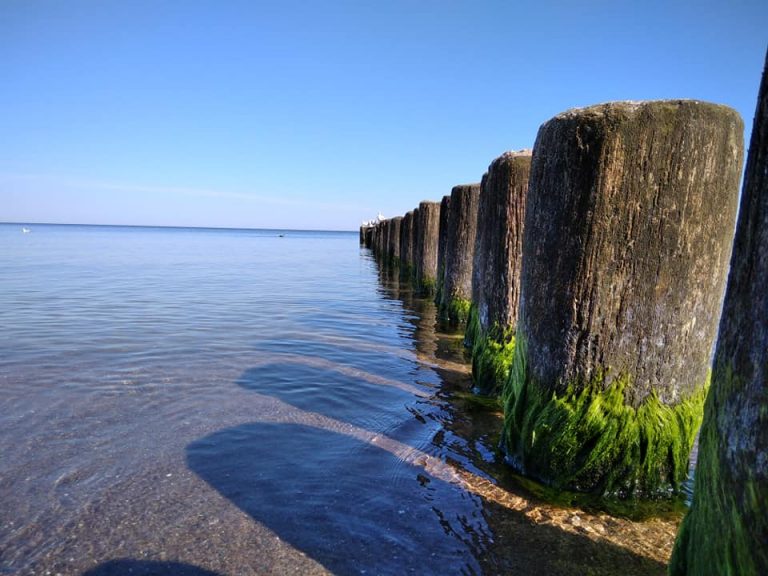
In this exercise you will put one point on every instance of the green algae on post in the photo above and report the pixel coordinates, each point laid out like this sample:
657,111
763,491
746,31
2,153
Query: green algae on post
627,237
726,529
588,438
491,352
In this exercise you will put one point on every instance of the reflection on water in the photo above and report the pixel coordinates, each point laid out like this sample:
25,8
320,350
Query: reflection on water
227,402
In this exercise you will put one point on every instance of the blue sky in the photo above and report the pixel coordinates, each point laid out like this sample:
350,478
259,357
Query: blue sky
319,114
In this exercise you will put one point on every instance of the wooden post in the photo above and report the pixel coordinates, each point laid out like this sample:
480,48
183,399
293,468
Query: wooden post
393,241
427,231
726,529
628,229
442,239
406,243
456,293
496,269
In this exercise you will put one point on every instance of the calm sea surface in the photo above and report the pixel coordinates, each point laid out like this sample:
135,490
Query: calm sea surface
191,401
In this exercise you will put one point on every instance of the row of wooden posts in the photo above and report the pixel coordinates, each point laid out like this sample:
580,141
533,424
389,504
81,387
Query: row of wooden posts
590,275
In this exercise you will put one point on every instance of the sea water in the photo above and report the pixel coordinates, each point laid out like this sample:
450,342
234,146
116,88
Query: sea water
198,399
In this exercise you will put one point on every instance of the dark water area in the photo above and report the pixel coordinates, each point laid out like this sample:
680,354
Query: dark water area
198,402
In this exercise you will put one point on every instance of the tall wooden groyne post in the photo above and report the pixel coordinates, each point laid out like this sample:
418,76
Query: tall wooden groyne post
376,239
407,240
461,228
427,231
496,269
628,229
393,241
442,241
726,530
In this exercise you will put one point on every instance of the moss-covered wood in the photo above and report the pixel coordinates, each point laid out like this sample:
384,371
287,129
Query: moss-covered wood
589,438
459,253
427,231
496,269
628,228
491,351
726,530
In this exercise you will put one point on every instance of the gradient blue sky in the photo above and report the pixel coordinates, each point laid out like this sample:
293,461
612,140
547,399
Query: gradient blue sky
319,114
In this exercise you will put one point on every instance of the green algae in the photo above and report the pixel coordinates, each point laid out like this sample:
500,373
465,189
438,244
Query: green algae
473,402
473,330
458,311
589,439
426,288
724,532
492,354
455,313
491,361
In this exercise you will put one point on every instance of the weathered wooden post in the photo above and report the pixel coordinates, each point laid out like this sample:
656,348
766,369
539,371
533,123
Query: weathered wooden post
726,530
496,269
406,234
427,231
368,236
373,239
393,241
377,240
383,253
456,293
408,245
382,241
628,229
442,239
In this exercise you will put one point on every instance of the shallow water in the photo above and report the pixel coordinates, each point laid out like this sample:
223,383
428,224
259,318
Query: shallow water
177,401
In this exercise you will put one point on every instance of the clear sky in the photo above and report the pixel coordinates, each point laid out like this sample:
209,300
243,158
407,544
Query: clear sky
319,114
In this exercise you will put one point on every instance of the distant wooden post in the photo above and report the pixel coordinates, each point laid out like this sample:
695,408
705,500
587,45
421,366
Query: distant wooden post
628,229
456,293
726,529
393,241
442,239
376,237
368,236
406,243
427,231
379,239
383,255
408,246
496,269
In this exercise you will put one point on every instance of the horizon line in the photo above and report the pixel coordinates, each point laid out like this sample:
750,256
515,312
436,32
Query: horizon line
29,223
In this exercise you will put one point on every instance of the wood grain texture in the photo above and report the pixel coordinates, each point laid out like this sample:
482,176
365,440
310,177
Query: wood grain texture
627,239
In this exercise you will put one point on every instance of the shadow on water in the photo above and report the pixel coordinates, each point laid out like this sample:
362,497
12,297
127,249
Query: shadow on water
347,504
129,567
356,501
354,469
